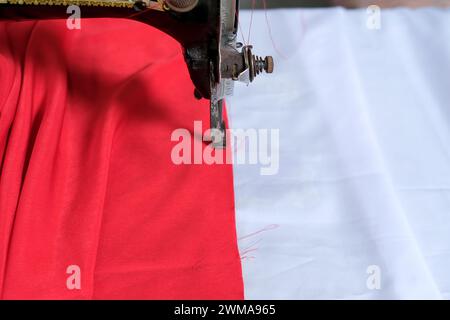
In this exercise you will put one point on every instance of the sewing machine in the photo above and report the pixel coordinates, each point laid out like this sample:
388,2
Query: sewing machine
207,30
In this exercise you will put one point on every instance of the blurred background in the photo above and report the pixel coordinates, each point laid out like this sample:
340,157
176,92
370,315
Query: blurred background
345,3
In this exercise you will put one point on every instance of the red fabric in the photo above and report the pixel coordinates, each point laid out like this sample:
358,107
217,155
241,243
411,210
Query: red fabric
86,174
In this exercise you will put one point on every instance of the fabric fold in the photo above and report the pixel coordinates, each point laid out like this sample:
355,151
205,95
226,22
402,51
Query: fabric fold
91,204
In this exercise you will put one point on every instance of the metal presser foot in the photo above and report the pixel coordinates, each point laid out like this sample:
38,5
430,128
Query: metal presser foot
233,65
243,67
217,124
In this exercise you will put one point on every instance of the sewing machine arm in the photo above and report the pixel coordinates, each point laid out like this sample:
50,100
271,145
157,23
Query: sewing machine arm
207,30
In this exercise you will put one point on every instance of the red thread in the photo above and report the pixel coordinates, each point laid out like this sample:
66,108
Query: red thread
267,228
252,248
275,46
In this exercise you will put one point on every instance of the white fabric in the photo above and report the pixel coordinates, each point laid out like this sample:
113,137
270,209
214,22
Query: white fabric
364,119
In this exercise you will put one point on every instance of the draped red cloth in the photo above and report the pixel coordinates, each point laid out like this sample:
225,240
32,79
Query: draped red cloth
86,173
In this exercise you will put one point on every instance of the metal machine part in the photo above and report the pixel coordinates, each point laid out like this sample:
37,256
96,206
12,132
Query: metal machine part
181,5
207,30
233,65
